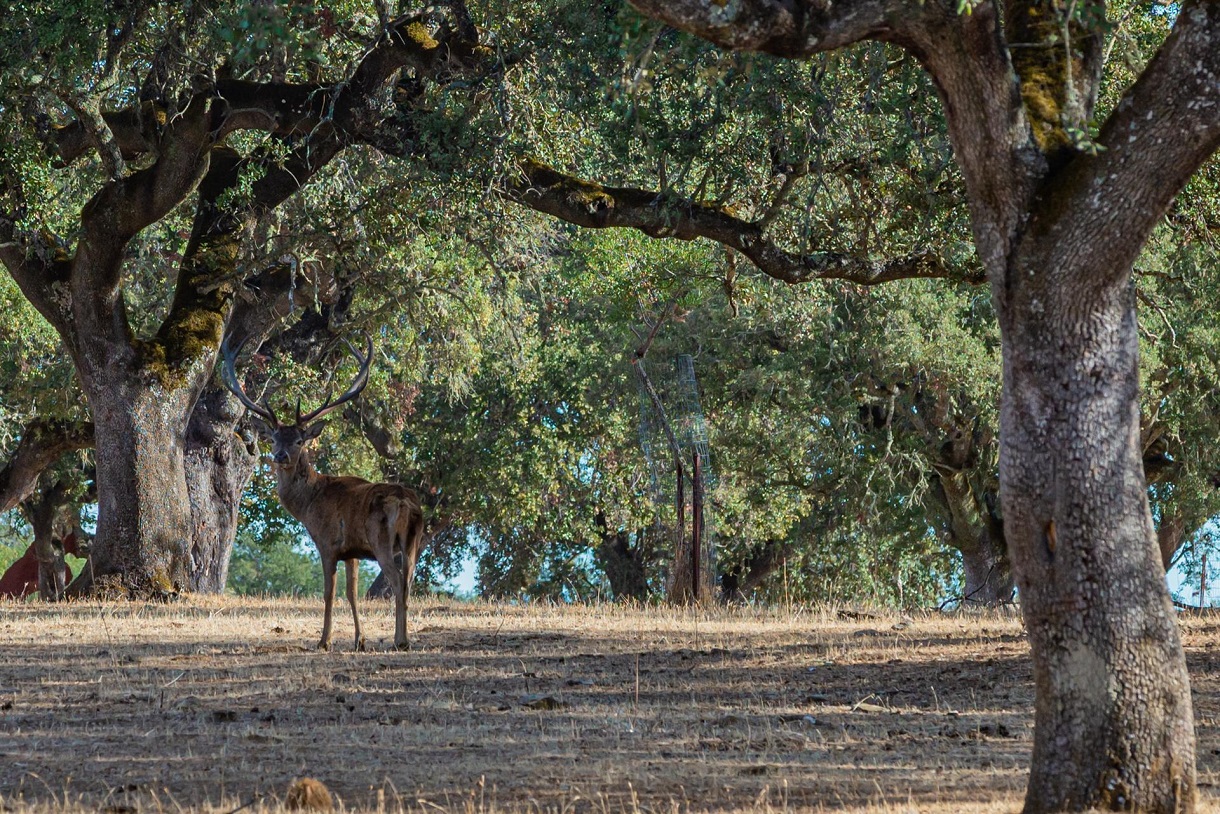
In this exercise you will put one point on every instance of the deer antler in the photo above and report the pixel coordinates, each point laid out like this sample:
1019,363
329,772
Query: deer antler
228,375
362,378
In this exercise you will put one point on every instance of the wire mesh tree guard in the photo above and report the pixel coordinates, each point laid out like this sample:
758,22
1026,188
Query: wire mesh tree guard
682,478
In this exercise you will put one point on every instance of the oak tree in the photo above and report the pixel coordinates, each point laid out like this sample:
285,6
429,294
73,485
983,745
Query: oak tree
1059,215
146,115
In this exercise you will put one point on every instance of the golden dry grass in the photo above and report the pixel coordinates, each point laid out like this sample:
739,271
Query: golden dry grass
217,702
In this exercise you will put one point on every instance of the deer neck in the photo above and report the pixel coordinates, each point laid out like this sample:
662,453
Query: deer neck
297,484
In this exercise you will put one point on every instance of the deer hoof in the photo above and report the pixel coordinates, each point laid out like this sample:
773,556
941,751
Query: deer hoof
360,644
403,646
324,646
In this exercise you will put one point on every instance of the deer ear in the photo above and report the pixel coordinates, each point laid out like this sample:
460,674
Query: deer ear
262,427
313,430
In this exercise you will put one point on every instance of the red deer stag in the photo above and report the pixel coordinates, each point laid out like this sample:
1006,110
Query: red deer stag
348,518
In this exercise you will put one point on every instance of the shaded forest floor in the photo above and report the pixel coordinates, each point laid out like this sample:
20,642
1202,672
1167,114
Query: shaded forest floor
219,702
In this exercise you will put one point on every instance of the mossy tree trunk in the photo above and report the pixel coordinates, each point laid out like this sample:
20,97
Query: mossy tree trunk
144,516
142,390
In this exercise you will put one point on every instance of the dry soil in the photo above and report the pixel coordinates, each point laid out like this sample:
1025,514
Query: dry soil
217,703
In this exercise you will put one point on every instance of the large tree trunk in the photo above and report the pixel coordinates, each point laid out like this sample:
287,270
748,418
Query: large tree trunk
1114,726
1170,535
219,464
737,584
970,524
48,515
144,512
987,579
623,564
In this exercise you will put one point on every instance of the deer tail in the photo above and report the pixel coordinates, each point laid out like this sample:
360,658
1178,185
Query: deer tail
392,508
408,530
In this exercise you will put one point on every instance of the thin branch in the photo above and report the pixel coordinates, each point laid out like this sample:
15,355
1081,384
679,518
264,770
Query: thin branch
794,174
653,396
642,350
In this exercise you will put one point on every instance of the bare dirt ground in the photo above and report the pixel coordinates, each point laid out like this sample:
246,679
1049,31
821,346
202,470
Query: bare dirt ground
216,703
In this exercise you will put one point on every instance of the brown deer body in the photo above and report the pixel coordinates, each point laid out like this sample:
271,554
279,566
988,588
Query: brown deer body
348,519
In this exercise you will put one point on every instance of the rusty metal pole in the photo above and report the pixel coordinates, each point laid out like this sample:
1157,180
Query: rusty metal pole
696,525
681,506
1203,583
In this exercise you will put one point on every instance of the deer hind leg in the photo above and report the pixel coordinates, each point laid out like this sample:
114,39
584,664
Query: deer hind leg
407,539
329,566
382,530
396,577
408,577
353,590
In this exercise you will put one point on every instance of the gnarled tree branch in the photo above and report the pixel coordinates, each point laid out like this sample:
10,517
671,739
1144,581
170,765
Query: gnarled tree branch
662,216
1166,126
42,443
430,44
788,29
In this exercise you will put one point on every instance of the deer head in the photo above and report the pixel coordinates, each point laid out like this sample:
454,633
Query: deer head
288,441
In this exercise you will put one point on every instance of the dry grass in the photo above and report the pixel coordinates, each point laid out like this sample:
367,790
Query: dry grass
216,703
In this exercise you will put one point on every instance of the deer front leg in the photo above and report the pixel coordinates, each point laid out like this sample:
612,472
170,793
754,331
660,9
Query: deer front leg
329,565
353,588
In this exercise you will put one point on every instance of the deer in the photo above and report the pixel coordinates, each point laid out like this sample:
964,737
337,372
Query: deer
22,579
348,518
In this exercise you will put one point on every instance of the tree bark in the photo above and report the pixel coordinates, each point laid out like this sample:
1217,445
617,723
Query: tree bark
737,585
622,563
141,548
1113,718
987,579
972,526
48,515
219,464
1170,534
42,443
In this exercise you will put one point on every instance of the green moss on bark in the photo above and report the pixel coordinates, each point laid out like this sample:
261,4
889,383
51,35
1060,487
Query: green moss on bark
1047,68
418,34
170,360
